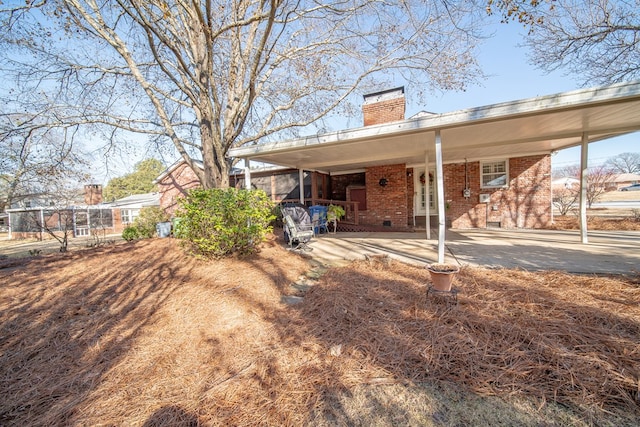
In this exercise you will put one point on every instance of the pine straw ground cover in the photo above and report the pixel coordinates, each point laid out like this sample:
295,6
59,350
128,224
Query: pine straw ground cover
140,334
572,222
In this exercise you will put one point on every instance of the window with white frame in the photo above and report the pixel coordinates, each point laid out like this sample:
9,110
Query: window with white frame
494,174
128,215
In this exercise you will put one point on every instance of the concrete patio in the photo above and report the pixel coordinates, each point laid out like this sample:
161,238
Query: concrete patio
606,253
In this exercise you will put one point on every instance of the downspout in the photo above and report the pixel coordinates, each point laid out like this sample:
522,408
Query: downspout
584,160
440,195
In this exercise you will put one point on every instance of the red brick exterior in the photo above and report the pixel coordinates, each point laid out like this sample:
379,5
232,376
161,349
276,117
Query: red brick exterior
525,203
387,111
175,185
386,205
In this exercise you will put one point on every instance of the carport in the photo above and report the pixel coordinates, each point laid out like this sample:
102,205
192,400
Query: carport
531,126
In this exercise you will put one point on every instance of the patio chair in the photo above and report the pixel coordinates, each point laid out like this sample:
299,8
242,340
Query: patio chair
299,234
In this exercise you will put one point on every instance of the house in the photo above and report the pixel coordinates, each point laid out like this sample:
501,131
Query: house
79,219
396,191
127,209
626,179
493,162
490,164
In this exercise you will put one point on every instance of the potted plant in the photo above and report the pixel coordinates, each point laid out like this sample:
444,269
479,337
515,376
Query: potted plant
442,275
334,213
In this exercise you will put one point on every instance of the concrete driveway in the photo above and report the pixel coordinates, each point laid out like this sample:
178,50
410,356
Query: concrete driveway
606,253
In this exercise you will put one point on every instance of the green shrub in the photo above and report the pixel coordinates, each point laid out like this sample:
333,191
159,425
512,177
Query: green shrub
130,233
146,222
220,222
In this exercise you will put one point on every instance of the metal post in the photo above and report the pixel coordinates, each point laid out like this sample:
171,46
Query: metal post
584,159
427,195
440,196
301,181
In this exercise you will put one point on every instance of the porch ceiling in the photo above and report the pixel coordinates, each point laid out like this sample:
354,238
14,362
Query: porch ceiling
530,126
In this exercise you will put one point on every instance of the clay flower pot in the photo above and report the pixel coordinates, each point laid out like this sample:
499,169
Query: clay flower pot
442,275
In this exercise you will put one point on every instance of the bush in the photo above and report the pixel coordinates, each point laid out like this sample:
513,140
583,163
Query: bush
146,222
130,233
220,222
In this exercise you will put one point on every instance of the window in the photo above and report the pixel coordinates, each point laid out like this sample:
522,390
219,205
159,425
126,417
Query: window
494,174
129,215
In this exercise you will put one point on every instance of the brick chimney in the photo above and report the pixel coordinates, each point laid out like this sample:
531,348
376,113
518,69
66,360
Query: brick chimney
384,107
92,194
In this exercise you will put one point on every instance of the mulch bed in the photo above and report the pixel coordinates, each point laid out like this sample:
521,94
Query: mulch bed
571,339
572,222
140,334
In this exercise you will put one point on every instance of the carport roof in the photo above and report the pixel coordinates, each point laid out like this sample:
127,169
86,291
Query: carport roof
525,127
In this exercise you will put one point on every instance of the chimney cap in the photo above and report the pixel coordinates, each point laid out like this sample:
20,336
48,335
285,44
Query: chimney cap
384,95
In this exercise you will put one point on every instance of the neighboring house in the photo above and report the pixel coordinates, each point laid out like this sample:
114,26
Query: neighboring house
127,209
81,219
626,179
174,183
4,222
565,183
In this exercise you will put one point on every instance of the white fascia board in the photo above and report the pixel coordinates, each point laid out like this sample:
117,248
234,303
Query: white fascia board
531,106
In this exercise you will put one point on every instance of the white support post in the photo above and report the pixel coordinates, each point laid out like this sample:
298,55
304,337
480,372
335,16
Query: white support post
440,196
301,181
584,160
247,174
427,195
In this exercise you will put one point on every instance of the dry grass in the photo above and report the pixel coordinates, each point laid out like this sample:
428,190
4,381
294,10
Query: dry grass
139,334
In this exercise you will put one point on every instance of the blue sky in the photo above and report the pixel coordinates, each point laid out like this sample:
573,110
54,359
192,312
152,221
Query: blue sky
511,77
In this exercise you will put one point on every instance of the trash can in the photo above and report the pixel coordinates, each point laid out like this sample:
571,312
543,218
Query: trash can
163,229
318,215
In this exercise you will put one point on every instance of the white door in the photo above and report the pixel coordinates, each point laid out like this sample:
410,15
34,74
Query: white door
421,184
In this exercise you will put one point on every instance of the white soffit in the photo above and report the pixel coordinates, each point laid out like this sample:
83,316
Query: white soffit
530,126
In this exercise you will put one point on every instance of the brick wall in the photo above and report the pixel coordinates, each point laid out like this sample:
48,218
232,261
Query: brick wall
525,203
387,203
390,110
175,185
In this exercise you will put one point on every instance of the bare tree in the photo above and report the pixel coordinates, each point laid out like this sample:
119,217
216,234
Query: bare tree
625,163
599,181
33,155
596,39
565,199
206,76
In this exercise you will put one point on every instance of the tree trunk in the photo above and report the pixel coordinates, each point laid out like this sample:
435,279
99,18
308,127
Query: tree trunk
216,165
